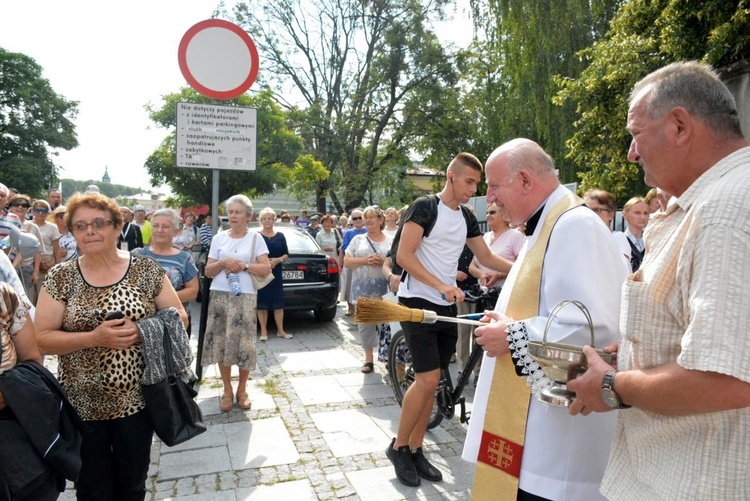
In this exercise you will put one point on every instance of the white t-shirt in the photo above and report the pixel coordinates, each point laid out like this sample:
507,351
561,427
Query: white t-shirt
439,253
223,245
50,233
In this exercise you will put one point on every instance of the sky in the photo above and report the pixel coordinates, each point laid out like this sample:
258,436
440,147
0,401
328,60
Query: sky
114,58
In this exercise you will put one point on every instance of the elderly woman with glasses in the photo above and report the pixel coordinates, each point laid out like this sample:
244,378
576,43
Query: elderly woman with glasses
177,263
87,315
28,267
604,205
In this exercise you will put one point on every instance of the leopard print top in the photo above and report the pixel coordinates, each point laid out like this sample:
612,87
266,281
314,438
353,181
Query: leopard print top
104,383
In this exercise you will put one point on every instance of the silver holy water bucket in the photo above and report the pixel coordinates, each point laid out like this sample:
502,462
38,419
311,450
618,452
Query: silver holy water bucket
562,362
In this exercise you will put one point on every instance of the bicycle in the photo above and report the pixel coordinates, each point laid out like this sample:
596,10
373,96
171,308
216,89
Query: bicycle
446,395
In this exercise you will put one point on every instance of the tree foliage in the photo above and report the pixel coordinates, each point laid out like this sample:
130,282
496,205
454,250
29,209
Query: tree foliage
512,74
354,65
33,119
644,36
71,186
277,162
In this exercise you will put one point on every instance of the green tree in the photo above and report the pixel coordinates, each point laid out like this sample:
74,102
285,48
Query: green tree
71,186
354,66
644,36
512,75
277,160
33,119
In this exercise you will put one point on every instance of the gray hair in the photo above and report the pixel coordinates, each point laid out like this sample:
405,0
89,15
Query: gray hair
170,213
4,188
526,154
241,199
696,87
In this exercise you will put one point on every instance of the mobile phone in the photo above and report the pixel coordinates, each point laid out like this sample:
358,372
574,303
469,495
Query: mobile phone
114,315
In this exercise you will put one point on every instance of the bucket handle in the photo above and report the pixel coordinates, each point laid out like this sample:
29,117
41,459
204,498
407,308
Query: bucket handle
559,306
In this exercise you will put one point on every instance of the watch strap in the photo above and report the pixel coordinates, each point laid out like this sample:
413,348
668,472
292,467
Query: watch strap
608,383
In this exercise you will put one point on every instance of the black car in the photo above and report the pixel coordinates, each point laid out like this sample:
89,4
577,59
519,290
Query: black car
311,278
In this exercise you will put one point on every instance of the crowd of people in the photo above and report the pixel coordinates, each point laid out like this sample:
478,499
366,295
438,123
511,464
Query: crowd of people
667,296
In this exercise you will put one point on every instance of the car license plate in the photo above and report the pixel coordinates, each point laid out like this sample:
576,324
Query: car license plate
293,275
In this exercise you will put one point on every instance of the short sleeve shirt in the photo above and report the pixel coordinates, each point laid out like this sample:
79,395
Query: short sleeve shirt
12,319
439,251
688,303
103,383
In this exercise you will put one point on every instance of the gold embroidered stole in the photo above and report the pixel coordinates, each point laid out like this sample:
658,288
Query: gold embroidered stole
501,448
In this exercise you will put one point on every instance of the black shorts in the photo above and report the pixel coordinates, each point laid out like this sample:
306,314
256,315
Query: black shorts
430,345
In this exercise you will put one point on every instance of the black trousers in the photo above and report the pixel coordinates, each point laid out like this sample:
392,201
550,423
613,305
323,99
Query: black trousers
115,457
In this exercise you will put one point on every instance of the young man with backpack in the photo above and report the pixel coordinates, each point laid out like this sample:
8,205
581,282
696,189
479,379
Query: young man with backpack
428,245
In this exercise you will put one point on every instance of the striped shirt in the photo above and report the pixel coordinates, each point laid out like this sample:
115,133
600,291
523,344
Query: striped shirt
205,234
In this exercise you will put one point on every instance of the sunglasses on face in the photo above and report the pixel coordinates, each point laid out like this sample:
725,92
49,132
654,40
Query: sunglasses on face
19,204
491,212
357,218
41,211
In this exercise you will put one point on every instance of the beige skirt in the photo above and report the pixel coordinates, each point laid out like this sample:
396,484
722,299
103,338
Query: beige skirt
231,330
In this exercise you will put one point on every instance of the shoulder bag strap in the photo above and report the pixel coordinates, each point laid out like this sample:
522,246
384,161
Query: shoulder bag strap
371,245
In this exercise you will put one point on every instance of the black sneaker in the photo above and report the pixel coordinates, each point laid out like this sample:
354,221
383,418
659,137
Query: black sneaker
424,467
406,472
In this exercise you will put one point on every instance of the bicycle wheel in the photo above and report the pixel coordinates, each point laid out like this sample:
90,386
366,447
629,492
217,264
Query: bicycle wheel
402,374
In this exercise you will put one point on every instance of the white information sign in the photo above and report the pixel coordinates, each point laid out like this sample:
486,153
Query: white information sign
211,136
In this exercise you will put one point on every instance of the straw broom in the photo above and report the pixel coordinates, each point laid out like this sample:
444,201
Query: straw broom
371,310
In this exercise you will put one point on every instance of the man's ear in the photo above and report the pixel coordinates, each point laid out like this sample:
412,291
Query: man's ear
525,179
682,124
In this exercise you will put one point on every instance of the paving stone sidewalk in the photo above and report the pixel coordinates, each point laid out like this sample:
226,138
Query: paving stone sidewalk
317,430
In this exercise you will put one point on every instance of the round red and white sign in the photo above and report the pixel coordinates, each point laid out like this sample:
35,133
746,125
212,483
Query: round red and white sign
218,59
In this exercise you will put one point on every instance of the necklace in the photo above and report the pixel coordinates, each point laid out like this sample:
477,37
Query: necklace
236,242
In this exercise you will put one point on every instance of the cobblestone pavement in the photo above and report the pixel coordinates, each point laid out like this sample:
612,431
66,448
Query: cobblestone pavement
317,430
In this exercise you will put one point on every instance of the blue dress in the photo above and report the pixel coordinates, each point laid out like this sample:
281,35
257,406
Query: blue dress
271,297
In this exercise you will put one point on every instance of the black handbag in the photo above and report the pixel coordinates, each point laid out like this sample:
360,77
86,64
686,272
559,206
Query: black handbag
170,404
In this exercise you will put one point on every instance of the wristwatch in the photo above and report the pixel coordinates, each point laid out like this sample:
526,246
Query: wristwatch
247,265
609,395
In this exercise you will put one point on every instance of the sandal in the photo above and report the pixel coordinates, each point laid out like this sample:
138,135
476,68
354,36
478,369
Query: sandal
367,368
264,338
226,402
243,401
285,336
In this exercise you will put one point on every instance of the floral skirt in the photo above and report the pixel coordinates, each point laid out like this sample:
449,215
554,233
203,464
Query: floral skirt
231,330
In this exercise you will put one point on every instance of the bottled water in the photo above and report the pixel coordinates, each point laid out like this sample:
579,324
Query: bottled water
234,283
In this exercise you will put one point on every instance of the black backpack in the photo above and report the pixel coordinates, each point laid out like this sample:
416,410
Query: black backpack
433,199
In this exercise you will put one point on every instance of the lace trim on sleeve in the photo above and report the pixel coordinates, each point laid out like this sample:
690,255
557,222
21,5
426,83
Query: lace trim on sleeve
518,340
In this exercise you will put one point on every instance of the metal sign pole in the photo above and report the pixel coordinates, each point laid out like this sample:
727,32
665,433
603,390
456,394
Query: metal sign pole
206,286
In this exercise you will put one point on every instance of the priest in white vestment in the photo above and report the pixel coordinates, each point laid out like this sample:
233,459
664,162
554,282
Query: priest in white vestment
564,458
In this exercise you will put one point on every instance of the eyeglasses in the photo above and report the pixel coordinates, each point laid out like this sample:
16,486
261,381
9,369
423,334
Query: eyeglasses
356,218
41,211
98,224
20,204
491,212
599,210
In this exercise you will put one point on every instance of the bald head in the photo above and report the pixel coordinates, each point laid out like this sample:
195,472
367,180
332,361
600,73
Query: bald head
520,176
522,153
